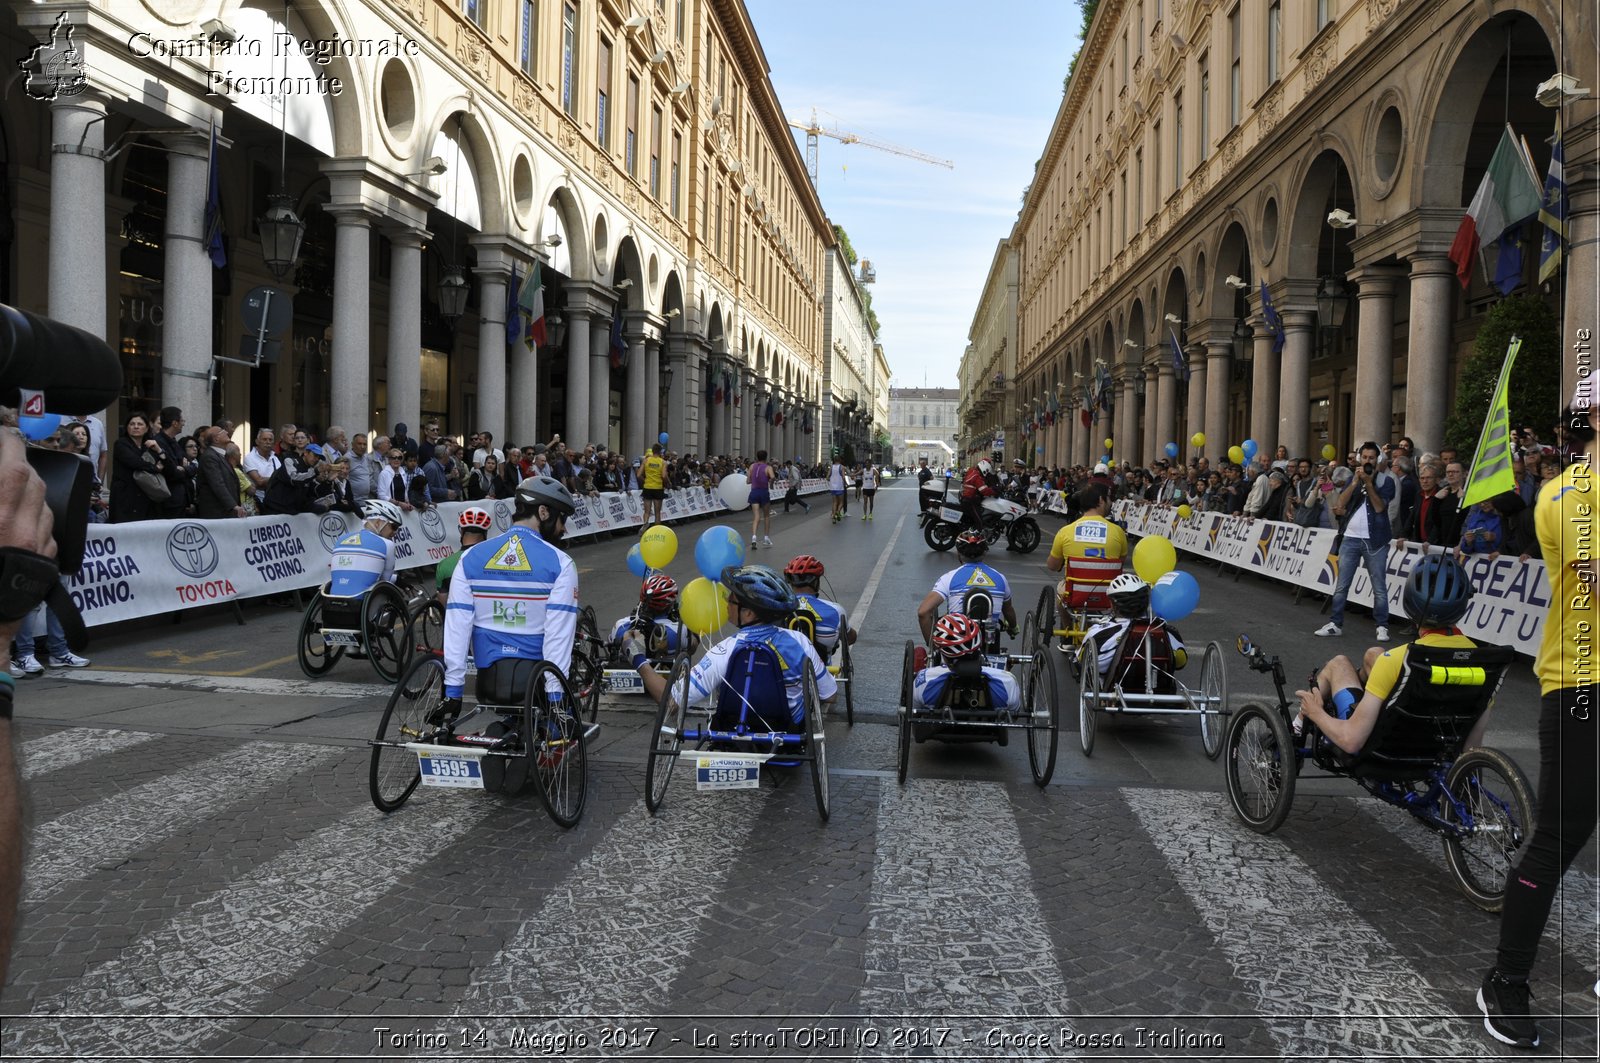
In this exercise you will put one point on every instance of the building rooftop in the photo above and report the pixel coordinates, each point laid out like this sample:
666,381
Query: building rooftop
934,394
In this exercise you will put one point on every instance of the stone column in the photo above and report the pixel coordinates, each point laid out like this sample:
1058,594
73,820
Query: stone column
405,329
521,405
1580,271
634,441
1294,393
1150,413
492,282
599,387
186,290
350,378
77,249
1433,286
1219,378
1375,354
1166,406
652,388
1127,434
577,420
678,399
1264,389
1195,407
747,418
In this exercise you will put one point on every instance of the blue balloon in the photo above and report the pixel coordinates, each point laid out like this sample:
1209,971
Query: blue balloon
41,427
718,547
1249,447
1172,450
636,563
662,439
1174,596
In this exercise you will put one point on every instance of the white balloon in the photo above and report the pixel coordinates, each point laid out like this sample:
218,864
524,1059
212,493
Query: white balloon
735,490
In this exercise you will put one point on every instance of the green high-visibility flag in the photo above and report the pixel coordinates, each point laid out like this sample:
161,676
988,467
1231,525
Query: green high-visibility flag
1491,466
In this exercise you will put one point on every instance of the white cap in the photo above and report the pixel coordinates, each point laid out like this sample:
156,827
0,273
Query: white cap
1100,467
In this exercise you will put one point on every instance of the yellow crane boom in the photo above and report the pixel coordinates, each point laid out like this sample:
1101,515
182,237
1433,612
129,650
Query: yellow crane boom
813,130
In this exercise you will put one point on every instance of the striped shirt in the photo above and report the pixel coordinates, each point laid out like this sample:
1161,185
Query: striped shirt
361,559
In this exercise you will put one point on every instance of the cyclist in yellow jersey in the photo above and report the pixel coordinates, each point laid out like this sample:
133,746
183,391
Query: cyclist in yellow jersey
1091,535
1566,519
653,484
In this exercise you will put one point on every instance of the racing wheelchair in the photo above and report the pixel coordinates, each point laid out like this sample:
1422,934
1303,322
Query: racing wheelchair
966,711
374,625
749,727
532,723
1476,800
1087,601
804,622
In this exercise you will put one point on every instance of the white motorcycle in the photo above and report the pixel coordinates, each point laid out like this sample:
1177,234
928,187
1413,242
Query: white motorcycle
1000,518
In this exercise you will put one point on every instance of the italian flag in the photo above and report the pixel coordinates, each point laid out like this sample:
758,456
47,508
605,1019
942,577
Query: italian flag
1507,196
531,303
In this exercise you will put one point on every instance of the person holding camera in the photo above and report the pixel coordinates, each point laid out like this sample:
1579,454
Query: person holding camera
1365,503
136,457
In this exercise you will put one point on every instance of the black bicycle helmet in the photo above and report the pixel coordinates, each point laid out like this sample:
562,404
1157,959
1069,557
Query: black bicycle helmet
1438,591
760,588
545,491
971,545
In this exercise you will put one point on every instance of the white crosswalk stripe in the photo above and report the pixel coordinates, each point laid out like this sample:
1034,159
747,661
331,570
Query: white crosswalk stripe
75,745
1258,899
240,943
108,831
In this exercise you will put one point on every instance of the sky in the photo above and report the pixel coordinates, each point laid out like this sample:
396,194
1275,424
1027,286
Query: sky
977,85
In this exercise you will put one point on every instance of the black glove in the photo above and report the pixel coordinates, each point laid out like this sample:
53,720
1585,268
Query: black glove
446,713
1012,631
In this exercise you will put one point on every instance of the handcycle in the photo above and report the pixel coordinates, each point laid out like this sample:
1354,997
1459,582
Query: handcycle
1087,580
1476,800
965,711
749,727
1143,680
373,624
529,730
615,676
804,622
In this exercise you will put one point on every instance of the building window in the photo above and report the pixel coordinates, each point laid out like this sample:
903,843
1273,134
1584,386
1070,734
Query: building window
529,43
1123,59
1155,158
1274,41
477,12
569,58
705,203
1138,187
1177,140
677,166
602,95
1324,14
1235,76
1123,217
1141,27
679,18
630,138
1205,107
655,152
716,206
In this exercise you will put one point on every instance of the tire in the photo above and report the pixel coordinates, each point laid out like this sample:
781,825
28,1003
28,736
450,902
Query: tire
1023,535
588,676
1214,688
394,773
1088,696
940,535
667,739
386,631
1043,736
847,673
587,624
315,655
907,673
1500,818
552,735
1259,767
427,627
1044,618
816,741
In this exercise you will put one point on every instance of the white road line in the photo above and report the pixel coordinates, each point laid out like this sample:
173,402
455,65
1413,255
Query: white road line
74,746
858,615
239,684
242,942
108,831
956,927
1324,977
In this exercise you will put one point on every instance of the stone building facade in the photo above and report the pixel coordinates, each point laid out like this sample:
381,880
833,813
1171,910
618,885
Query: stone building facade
989,364
924,423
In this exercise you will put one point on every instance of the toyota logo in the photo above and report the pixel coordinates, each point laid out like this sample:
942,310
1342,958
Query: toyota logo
502,515
433,525
330,530
192,550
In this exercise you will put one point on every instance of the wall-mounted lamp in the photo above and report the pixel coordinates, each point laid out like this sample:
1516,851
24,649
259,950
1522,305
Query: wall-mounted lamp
680,88
659,58
1339,218
1173,319
1563,88
1131,343
637,22
553,240
1237,283
674,312
624,284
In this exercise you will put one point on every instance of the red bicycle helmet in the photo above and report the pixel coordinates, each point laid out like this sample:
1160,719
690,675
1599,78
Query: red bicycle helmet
803,569
971,544
475,517
659,593
957,635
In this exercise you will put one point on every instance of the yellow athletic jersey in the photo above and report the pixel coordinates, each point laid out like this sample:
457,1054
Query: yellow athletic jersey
653,472
1090,537
1565,519
1386,669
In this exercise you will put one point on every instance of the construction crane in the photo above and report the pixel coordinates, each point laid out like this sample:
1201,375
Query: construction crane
812,130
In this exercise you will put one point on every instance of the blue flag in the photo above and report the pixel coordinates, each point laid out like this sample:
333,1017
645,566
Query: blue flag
214,248
619,346
1553,211
1180,365
1508,260
1274,321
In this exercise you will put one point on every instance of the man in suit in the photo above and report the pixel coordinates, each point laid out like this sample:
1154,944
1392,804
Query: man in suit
218,488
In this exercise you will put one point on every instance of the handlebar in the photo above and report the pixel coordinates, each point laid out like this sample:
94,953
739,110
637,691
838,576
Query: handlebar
1260,661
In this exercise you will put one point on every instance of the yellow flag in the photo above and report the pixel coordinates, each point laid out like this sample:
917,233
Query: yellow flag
1491,466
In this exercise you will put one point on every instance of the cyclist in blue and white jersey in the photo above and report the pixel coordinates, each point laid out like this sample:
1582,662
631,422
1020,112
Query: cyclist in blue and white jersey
656,619
804,574
955,637
513,597
365,557
952,588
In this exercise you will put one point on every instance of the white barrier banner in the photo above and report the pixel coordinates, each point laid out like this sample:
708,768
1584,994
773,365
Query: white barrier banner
1509,608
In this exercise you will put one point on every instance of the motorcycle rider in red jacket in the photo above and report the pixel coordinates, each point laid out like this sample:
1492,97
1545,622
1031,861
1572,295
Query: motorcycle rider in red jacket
975,487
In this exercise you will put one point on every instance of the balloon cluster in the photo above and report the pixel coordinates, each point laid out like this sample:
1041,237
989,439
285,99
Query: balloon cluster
1173,594
703,604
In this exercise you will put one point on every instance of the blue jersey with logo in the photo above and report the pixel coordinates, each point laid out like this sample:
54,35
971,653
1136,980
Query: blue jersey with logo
954,586
927,687
514,596
359,561
661,631
831,622
794,651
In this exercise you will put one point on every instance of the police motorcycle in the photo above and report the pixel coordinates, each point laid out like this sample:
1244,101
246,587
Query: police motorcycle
1001,517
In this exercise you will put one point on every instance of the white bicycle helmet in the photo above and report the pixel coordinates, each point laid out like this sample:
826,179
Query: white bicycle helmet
1129,594
378,509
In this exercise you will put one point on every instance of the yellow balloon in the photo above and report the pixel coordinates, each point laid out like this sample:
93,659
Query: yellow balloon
1108,444
1328,452
1236,455
658,546
1198,439
1154,557
703,606
1185,512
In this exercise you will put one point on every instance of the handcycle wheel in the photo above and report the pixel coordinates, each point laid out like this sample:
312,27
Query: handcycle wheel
907,673
1260,767
1042,736
1214,690
394,773
386,631
315,655
940,535
1491,790
552,736
847,673
666,740
587,624
588,675
1044,615
1087,666
816,740
427,627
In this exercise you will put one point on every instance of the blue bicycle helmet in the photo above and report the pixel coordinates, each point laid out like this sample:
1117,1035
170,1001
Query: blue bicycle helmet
760,588
1438,591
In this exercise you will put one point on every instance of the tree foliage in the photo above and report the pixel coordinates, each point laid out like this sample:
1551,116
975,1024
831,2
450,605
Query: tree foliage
1534,391
845,246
